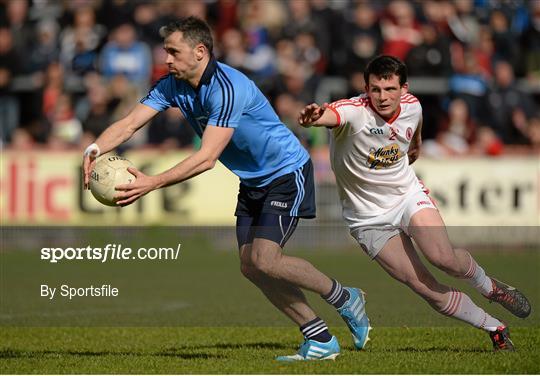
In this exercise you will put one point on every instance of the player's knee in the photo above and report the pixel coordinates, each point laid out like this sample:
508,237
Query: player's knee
263,266
265,262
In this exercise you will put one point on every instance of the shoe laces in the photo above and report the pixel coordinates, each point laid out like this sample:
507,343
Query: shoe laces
500,295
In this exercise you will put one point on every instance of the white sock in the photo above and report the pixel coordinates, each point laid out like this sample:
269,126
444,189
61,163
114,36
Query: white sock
462,307
477,278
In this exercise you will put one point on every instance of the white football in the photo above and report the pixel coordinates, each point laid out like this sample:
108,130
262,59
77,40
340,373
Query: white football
109,171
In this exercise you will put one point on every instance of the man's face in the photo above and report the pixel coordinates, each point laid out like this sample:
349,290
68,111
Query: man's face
385,94
181,57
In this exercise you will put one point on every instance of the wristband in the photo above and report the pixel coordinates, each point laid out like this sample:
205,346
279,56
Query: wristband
92,150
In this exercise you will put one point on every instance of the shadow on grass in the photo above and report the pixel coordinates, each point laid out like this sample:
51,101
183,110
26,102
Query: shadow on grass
183,352
233,346
419,350
21,354
441,349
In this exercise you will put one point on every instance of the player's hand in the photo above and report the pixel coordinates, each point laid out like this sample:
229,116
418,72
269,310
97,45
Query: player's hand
129,193
310,114
89,160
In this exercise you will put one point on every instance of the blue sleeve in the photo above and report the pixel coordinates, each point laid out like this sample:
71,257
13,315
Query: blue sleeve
228,100
159,97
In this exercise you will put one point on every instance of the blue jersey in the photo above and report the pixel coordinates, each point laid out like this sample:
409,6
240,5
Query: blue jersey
262,148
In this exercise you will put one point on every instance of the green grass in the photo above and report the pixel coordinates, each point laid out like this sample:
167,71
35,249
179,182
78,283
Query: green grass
199,315
252,350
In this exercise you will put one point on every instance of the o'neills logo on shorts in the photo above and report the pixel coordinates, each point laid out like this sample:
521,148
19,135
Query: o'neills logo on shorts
279,204
384,157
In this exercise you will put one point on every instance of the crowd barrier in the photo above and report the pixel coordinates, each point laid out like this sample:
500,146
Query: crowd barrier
45,188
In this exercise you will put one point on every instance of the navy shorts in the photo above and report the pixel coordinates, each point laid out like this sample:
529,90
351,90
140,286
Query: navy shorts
271,212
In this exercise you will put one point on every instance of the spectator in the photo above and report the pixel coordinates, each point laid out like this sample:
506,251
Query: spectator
471,86
53,89
487,143
456,133
530,43
299,81
169,130
400,29
509,106
293,49
257,32
432,56
66,129
113,13
79,42
122,94
363,37
21,29
9,67
331,15
98,114
187,8
303,20
224,15
148,22
46,49
438,13
309,52
505,46
462,21
125,55
233,50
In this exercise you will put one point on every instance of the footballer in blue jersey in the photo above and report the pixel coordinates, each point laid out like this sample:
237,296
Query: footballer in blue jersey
238,126
261,148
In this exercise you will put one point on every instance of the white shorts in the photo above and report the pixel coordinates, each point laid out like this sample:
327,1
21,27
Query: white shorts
372,236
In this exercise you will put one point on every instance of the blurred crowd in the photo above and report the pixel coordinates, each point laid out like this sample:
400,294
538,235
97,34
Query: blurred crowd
69,68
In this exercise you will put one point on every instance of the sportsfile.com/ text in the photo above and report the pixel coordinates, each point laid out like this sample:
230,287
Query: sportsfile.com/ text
109,252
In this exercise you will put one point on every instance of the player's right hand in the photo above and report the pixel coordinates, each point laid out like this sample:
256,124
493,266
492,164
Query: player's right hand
310,114
89,160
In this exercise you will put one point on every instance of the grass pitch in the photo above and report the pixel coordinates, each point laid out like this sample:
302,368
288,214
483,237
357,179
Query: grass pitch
252,350
198,315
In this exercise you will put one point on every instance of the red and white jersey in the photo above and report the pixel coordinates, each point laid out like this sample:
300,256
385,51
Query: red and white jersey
369,156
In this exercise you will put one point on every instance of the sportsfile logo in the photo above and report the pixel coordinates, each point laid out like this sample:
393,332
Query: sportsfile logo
109,252
279,204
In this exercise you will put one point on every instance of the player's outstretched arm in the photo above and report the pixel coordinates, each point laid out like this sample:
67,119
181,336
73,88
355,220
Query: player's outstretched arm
214,140
314,115
114,135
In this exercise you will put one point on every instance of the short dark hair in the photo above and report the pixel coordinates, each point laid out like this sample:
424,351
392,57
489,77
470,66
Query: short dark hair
194,30
384,66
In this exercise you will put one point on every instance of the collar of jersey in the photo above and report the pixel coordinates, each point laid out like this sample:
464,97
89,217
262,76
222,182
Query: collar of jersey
208,72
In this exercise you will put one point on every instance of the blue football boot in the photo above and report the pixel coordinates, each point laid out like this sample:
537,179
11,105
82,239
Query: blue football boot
314,350
353,312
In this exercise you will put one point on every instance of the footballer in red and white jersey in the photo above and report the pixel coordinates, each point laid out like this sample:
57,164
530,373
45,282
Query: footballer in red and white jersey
372,168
